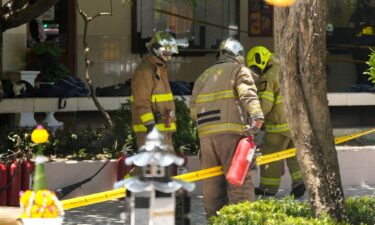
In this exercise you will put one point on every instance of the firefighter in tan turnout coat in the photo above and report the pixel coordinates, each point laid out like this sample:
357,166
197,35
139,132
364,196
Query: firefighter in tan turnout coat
277,137
224,99
152,101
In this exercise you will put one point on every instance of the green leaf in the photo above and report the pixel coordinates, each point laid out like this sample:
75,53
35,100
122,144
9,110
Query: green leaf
371,63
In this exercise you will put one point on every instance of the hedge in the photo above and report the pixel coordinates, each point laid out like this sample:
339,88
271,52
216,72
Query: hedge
271,211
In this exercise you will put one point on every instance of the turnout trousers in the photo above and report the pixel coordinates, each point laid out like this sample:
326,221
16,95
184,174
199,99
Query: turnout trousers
218,150
270,174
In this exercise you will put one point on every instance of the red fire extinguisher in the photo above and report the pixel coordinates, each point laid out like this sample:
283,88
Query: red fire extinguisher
241,161
3,184
27,173
122,168
14,179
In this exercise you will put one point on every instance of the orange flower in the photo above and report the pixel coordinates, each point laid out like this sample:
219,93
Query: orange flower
40,204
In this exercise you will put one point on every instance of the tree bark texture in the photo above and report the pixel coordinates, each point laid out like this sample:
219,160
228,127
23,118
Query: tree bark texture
300,34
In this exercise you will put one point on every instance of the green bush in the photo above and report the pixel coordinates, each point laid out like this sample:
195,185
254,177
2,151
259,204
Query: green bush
186,138
289,211
371,63
88,143
98,142
124,132
361,210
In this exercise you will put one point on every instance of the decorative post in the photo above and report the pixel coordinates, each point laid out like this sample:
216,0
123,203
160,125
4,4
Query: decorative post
153,199
40,206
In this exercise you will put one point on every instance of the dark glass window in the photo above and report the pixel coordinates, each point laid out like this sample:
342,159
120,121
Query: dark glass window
198,28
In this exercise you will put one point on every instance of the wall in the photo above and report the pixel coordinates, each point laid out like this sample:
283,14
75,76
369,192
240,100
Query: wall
14,49
110,40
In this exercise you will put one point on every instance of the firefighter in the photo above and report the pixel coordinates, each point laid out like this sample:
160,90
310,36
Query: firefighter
152,102
223,102
277,138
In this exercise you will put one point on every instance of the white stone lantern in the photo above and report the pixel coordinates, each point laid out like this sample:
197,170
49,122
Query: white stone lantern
153,199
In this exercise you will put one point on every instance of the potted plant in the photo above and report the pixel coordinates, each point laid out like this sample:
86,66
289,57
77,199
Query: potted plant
45,57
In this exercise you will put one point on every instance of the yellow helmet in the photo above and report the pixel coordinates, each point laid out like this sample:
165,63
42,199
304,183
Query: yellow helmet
258,56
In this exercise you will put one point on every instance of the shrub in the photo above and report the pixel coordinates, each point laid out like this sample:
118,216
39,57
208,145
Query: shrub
289,211
88,143
124,131
371,63
98,142
186,138
361,210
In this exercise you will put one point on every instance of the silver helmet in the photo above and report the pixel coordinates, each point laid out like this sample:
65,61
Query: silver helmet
231,46
163,45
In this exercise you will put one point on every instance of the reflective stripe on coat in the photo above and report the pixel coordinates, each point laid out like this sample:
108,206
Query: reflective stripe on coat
150,93
223,97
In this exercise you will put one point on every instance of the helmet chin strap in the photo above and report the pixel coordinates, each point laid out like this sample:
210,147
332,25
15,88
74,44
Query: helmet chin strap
165,58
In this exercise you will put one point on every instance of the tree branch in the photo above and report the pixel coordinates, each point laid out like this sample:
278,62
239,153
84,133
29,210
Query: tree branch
13,5
25,14
89,63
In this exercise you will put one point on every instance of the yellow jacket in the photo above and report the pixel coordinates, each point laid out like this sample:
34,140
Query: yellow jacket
151,93
223,97
271,101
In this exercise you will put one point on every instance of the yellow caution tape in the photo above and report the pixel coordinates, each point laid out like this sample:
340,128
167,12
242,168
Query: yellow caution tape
195,176
92,199
201,174
292,152
120,193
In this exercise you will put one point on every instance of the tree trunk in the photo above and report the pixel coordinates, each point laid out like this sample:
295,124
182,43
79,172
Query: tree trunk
300,34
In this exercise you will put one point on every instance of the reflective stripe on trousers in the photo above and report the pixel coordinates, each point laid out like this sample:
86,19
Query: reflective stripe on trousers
160,126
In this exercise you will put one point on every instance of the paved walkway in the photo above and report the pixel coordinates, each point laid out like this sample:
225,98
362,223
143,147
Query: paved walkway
111,212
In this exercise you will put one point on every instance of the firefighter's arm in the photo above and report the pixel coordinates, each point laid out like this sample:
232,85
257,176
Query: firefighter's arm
266,95
196,90
142,85
247,93
192,107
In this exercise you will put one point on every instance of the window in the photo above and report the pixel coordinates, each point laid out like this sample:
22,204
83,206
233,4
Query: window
260,18
350,32
199,28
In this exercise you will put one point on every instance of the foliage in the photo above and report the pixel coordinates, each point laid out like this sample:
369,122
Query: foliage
361,211
124,132
87,143
371,70
15,144
289,211
45,57
186,138
96,143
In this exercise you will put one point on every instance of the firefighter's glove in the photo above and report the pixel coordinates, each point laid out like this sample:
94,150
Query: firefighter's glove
254,127
150,127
